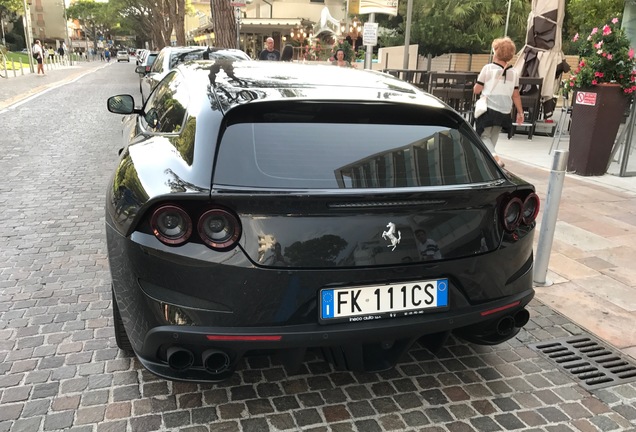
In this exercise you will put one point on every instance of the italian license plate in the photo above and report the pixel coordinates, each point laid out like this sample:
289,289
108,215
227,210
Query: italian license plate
382,301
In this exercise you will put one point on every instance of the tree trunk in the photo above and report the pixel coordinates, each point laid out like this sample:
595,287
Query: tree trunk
167,23
180,22
224,23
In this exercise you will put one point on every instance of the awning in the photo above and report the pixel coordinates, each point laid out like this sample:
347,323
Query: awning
269,25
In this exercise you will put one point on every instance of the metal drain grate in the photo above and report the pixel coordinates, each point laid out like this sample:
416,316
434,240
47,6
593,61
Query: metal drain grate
595,365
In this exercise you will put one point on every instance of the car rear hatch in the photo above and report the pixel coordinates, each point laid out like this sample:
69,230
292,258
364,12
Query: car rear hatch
314,188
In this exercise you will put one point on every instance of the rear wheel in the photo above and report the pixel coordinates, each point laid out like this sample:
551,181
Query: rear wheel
120,332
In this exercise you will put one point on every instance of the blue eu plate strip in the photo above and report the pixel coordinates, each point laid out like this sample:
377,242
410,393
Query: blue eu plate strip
442,292
327,304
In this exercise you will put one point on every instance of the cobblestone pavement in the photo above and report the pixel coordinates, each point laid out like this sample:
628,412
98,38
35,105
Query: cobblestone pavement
60,368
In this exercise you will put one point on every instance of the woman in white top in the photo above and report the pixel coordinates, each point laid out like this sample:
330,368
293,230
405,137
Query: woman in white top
38,53
499,83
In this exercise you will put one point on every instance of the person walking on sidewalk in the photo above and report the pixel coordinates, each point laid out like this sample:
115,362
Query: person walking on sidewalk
499,84
38,54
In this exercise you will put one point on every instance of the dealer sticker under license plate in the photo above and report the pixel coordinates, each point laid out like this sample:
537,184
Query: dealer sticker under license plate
383,301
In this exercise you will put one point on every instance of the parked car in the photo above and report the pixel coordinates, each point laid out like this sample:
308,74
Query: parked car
146,64
279,206
170,57
140,55
122,55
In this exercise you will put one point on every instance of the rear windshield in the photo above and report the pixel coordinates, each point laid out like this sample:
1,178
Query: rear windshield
348,156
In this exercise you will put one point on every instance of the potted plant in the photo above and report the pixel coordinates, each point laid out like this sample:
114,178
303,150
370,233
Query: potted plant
603,82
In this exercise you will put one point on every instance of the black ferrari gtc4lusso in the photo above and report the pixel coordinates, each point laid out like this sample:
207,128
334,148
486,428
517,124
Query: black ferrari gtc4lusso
280,206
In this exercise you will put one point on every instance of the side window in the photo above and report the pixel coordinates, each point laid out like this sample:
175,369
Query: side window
166,107
157,65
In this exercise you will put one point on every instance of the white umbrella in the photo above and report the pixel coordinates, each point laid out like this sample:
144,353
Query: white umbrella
542,55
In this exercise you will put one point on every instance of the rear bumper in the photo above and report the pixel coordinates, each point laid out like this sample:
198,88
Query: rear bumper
292,340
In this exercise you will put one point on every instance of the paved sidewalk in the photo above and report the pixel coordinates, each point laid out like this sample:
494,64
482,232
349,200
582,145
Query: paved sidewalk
17,89
591,262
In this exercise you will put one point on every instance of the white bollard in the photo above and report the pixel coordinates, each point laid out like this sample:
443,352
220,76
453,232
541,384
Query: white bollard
550,213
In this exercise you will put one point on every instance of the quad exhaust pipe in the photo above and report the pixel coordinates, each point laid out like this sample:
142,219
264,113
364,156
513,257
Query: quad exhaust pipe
506,325
180,359
214,361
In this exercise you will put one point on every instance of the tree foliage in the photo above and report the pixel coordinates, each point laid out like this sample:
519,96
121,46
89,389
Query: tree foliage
94,17
581,16
10,6
442,26
153,21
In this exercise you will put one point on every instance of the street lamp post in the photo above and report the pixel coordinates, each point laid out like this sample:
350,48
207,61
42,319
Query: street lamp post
353,30
70,38
26,22
507,18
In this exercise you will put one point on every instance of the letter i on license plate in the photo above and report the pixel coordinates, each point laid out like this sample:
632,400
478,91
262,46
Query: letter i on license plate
383,301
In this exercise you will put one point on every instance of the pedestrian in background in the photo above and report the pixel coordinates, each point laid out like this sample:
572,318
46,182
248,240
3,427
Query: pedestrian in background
269,53
498,82
38,54
288,53
339,59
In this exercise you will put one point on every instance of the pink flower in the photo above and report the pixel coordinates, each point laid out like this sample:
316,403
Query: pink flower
594,82
582,63
598,45
614,20
604,54
571,83
606,30
631,53
601,74
594,31
575,38
609,56
599,51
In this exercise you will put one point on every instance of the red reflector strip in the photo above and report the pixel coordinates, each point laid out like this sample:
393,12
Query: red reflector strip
243,338
499,309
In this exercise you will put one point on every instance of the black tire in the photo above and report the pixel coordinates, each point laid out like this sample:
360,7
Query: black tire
120,332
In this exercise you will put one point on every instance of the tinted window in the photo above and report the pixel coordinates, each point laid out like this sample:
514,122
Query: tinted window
151,59
157,66
166,107
343,155
184,56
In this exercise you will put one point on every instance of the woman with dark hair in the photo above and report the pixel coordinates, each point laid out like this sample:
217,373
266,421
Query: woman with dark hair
340,59
287,54
498,82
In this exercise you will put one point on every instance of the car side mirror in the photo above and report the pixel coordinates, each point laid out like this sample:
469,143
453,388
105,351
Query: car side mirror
122,104
141,70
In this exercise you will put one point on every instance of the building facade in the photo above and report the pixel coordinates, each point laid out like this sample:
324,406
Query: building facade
286,21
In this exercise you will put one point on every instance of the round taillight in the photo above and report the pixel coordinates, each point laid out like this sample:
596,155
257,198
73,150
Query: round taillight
219,228
530,209
171,225
512,214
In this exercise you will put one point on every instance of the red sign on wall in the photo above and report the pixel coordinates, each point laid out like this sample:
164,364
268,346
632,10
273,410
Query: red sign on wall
586,98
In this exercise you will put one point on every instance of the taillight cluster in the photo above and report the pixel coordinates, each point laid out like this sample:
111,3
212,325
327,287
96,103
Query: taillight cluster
517,212
218,228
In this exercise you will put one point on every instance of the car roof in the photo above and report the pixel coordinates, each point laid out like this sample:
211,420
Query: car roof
252,81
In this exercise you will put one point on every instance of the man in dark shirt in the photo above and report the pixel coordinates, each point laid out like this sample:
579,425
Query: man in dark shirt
269,53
